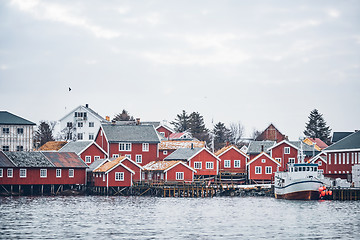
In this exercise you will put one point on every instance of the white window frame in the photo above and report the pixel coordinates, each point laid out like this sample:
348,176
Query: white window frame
352,158
291,160
344,158
209,165
278,159
145,147
125,147
58,173
1,172
119,176
320,163
257,169
227,163
286,150
179,175
128,156
91,136
103,177
115,155
87,159
165,152
22,173
138,158
43,173
329,158
237,164
263,160
162,134
71,173
96,158
10,172
335,158
80,136
267,170
347,158
91,124
197,165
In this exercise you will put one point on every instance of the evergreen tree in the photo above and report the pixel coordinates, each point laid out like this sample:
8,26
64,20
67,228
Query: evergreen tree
44,133
181,123
221,135
317,128
197,127
123,116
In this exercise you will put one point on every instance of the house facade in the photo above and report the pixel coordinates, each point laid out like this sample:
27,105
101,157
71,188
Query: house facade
88,151
271,133
168,147
16,133
168,171
262,168
233,160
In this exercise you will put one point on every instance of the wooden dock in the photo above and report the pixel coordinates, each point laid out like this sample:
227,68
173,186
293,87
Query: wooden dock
345,194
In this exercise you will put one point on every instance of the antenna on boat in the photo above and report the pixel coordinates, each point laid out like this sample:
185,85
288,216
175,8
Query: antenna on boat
301,153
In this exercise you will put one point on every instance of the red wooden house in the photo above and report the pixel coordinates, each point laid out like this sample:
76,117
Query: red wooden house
164,131
233,160
168,171
88,151
321,161
201,159
113,174
138,142
271,133
262,168
168,147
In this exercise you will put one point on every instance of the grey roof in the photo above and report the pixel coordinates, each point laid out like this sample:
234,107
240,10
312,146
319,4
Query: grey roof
29,159
4,161
95,164
7,118
128,133
350,142
155,124
337,136
182,154
256,147
76,147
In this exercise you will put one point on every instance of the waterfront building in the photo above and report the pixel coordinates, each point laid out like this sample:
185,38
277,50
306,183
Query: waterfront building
233,160
168,171
16,133
321,160
262,168
167,147
257,147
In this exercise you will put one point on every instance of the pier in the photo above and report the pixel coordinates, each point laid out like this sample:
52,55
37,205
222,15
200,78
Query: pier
345,194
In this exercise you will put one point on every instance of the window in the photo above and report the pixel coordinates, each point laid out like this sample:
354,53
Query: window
20,131
263,160
96,158
352,158
58,173
335,158
80,136
115,155
124,146
165,152
268,170
343,158
257,170
236,163
119,176
320,163
145,147
128,156
6,148
1,172
10,173
138,158
291,160
286,150
91,136
87,159
278,159
197,165
347,158
103,177
162,134
19,148
43,173
179,175
209,165
69,124
80,124
71,173
6,130
227,163
22,172
329,171
91,124
329,159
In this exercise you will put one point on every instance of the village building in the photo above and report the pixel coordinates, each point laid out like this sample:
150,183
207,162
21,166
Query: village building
337,136
16,133
321,160
233,160
316,142
257,147
202,160
113,174
182,136
88,151
52,146
262,168
271,133
342,155
168,171
168,147
137,142
80,124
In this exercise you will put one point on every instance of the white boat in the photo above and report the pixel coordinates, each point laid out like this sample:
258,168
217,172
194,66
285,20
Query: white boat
300,181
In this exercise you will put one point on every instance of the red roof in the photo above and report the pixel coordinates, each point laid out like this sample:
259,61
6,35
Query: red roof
319,142
65,159
176,135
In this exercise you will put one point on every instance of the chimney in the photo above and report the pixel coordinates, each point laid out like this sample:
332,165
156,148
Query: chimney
137,121
113,122
87,105
262,148
192,146
107,118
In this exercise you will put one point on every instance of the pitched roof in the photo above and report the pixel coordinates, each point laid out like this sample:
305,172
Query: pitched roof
52,146
65,159
164,165
95,114
350,142
29,159
337,136
308,150
155,124
263,154
95,164
4,161
183,154
128,133
227,148
165,145
317,141
256,147
7,118
108,166
271,133
76,147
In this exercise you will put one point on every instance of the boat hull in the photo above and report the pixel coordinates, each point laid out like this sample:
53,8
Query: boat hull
301,195
299,189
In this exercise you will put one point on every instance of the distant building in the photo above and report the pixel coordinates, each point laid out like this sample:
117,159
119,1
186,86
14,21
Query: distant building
81,124
271,133
257,147
168,147
16,133
88,151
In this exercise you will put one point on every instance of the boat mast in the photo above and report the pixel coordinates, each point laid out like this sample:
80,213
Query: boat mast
301,153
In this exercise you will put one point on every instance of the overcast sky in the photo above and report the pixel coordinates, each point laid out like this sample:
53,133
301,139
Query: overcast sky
257,62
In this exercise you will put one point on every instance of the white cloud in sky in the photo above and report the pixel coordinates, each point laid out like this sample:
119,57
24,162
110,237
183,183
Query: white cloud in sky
4,67
333,13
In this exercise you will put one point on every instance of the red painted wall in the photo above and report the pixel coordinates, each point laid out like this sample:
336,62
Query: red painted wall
136,148
92,151
162,129
204,157
161,153
188,174
341,169
101,140
33,176
278,152
98,178
232,155
136,169
263,175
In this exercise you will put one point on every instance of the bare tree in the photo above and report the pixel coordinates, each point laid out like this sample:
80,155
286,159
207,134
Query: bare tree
236,132
255,134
